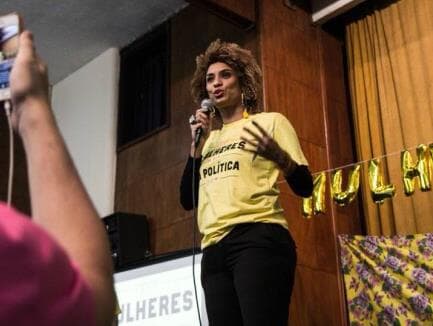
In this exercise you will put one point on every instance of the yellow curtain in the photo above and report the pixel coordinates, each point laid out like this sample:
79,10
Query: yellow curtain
390,59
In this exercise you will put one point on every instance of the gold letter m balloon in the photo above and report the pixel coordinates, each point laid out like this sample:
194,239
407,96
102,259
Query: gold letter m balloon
316,203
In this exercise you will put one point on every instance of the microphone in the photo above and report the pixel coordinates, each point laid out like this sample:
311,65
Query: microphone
206,106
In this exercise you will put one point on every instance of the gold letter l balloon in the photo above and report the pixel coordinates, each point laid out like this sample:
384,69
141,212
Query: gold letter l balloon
379,191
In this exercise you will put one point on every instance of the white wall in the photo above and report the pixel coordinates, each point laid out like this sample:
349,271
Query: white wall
85,105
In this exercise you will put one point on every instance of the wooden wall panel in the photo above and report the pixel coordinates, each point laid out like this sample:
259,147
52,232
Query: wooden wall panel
316,308
180,230
289,50
313,237
148,173
340,136
295,100
304,79
315,154
241,13
244,8
333,68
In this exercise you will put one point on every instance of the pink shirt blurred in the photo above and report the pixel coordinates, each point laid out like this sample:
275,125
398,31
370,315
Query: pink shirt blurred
39,284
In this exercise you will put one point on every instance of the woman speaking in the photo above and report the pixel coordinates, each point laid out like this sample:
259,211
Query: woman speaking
249,257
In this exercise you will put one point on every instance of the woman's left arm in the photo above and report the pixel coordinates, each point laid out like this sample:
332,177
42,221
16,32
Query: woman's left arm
298,176
301,181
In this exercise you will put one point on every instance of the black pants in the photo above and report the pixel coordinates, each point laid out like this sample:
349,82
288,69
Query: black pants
248,276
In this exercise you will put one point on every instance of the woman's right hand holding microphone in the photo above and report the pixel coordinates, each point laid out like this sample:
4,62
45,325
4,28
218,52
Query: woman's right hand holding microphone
197,121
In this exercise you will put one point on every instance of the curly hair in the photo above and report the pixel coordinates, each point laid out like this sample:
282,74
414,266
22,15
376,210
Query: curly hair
237,58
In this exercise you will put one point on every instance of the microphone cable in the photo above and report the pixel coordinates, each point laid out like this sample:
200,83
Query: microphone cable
7,107
194,233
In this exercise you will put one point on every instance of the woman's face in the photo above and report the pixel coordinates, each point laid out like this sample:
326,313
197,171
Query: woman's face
222,85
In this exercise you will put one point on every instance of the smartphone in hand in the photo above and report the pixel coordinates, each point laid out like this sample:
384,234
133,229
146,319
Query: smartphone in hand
9,42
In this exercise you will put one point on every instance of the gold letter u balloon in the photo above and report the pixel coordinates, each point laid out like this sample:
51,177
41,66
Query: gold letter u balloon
343,198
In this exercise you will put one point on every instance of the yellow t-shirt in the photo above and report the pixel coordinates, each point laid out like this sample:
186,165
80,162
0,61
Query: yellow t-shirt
237,186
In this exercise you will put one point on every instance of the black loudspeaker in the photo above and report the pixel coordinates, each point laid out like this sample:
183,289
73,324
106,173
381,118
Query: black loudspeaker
129,238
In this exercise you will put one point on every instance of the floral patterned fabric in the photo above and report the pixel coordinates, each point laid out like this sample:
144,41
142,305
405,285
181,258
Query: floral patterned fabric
388,280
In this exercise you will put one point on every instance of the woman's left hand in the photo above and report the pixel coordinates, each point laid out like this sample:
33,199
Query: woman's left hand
265,146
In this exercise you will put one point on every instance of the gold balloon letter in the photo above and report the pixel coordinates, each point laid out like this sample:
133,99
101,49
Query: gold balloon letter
379,191
343,198
316,203
420,171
